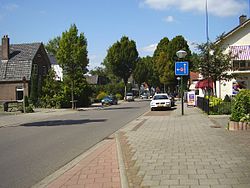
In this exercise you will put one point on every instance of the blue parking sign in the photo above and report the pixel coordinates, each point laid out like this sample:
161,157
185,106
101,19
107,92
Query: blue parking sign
181,68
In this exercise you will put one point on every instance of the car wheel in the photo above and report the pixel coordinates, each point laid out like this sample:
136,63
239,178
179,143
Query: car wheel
152,109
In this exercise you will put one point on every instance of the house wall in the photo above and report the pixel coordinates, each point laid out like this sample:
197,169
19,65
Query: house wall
239,38
43,65
8,90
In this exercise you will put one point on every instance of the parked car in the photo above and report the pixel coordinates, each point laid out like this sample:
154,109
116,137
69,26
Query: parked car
109,100
159,101
144,96
172,98
129,97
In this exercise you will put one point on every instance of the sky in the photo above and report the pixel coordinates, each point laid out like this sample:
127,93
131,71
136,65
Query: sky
104,22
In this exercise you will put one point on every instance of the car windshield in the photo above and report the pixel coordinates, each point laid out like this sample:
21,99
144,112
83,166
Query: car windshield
129,94
158,97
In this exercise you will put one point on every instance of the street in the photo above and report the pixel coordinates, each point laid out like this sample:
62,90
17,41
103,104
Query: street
34,150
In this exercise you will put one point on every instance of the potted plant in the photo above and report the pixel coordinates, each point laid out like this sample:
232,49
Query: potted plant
240,110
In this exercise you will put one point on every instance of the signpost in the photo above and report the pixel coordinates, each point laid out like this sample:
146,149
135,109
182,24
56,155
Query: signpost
181,69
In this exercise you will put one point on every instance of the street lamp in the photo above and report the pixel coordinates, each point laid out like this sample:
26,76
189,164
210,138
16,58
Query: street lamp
181,54
178,78
24,80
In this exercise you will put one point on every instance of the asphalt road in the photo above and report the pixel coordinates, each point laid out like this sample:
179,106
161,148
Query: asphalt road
32,151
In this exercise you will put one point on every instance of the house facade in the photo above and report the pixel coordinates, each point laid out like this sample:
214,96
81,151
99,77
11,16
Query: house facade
237,41
22,69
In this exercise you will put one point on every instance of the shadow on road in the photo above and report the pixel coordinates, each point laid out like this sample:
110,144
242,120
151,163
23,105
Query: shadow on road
119,108
62,122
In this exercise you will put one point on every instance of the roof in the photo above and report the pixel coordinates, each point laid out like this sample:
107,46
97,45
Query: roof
233,31
19,63
194,75
92,79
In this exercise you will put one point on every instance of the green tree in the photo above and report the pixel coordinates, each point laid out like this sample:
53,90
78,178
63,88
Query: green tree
121,59
53,45
141,72
161,60
213,64
176,44
51,91
72,57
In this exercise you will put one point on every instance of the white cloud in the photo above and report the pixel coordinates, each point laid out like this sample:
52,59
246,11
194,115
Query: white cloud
215,7
11,7
169,19
149,48
94,61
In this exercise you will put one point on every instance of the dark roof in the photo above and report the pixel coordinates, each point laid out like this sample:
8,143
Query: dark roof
92,79
233,31
19,63
52,59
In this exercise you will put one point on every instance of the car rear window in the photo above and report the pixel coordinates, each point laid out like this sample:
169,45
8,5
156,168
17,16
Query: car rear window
158,97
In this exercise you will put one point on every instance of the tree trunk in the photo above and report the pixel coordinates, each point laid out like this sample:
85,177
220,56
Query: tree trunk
72,95
125,91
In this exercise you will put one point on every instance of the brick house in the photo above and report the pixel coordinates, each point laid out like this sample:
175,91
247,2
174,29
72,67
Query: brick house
22,69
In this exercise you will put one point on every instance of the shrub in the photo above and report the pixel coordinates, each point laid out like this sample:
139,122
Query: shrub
101,95
227,99
29,109
241,105
118,96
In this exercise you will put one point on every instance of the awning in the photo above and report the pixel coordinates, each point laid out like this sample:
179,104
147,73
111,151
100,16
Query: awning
203,84
241,52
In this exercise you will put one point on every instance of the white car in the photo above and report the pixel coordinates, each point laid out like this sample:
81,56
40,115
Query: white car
160,100
129,97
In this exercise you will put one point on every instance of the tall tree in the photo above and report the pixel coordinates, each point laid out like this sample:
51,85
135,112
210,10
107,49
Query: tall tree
213,63
141,72
53,45
121,59
161,61
72,57
176,44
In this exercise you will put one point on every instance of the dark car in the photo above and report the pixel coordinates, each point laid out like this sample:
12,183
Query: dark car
172,98
109,100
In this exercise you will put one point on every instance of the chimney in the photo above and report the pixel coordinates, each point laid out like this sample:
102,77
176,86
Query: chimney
5,47
243,18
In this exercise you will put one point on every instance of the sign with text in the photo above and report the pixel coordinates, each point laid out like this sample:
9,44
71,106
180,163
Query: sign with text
181,68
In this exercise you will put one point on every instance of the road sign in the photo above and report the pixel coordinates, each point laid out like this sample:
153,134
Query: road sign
181,68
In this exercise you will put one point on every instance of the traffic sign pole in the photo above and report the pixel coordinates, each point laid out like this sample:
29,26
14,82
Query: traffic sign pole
182,102
181,69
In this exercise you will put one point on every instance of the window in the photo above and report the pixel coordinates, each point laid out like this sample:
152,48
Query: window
19,93
241,65
44,70
35,69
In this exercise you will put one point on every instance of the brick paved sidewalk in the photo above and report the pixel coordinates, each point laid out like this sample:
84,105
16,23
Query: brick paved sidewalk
99,169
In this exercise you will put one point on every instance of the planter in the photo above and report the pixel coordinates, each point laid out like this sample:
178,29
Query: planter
233,125
241,126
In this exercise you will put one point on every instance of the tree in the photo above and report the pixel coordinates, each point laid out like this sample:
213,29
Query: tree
142,73
176,44
121,59
72,57
161,60
53,45
51,91
213,63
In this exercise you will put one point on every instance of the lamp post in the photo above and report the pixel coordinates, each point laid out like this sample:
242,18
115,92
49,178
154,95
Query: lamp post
181,54
178,78
24,80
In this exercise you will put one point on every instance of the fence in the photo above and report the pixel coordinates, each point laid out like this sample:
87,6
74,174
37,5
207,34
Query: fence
221,108
203,104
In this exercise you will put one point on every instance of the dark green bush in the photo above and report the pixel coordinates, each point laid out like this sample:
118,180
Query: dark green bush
227,99
241,105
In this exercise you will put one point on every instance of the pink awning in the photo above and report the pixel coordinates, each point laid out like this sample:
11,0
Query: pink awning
203,84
